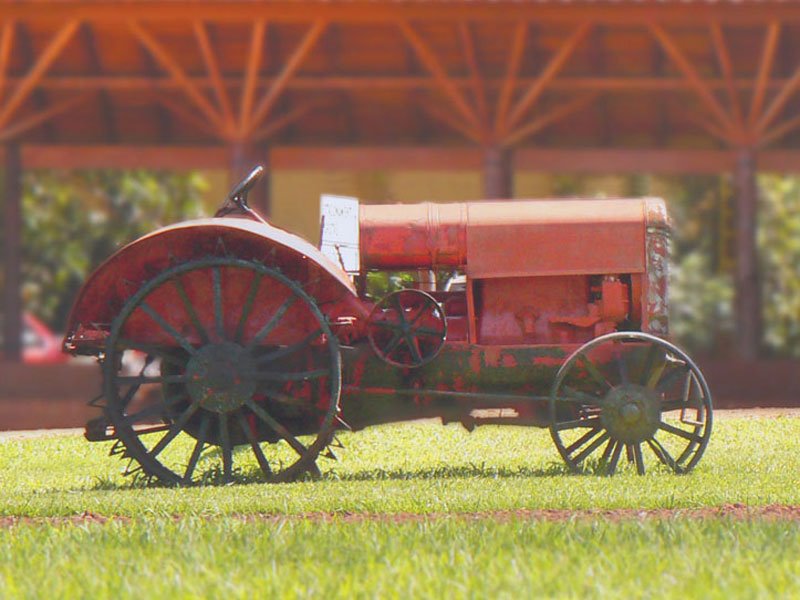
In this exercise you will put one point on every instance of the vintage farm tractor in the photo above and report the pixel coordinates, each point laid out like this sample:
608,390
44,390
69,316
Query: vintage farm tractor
231,349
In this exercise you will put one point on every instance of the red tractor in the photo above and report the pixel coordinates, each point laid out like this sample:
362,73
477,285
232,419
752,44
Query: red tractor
553,314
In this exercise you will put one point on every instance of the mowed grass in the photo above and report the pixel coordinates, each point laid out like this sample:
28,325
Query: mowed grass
432,559
416,468
207,542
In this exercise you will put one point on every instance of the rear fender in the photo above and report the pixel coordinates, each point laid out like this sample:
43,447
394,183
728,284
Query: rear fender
118,278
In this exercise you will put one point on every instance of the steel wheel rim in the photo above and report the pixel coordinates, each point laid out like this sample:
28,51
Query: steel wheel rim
221,423
606,441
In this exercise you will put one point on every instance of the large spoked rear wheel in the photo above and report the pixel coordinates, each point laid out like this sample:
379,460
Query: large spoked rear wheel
630,398
221,369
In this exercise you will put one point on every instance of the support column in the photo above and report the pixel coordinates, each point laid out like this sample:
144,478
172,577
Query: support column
498,175
748,283
243,158
12,254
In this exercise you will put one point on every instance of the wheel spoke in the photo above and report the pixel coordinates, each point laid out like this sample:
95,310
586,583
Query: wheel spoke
590,422
266,329
248,306
663,455
619,359
280,353
413,346
688,385
263,463
594,372
157,408
649,372
189,308
144,379
125,400
393,344
582,440
175,429
278,396
687,435
638,459
219,317
612,465
225,447
198,448
293,376
591,448
607,452
277,427
182,341
420,313
399,306
428,331
673,377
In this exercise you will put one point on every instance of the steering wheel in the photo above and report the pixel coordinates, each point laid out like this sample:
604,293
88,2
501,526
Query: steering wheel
237,199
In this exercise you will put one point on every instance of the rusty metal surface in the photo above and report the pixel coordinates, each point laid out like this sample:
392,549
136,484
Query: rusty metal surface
555,237
116,280
403,236
463,378
508,238
213,302
655,298
551,310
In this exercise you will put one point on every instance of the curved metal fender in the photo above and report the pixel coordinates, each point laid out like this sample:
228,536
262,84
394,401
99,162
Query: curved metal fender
118,278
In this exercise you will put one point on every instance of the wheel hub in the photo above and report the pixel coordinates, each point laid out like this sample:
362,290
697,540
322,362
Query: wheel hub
221,377
631,413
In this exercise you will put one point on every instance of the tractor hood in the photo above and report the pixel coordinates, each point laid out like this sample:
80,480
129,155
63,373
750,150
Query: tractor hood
512,238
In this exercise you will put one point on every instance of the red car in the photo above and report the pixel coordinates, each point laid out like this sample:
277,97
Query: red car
39,344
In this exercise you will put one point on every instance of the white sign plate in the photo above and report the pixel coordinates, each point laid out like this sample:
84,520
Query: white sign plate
339,226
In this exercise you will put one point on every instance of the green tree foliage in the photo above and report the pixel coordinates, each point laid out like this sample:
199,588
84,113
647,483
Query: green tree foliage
74,220
701,304
701,282
702,286
779,246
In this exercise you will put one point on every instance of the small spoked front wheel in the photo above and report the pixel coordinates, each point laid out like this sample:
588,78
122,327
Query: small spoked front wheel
630,398
407,328
221,369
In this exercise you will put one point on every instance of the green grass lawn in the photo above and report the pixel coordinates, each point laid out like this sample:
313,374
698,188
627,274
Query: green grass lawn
418,468
435,559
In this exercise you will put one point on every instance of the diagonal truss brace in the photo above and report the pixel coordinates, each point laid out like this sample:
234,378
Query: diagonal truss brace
25,87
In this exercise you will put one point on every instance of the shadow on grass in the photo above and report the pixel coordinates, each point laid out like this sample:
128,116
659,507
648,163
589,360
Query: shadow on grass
470,471
249,477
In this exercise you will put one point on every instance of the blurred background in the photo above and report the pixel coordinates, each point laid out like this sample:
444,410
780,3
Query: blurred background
119,117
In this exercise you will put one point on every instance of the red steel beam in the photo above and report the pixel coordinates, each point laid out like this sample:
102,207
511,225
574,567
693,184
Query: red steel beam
244,11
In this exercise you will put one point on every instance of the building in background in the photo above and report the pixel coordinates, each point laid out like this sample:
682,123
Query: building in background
400,101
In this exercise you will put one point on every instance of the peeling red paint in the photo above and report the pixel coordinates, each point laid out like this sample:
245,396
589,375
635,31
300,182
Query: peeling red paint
509,361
